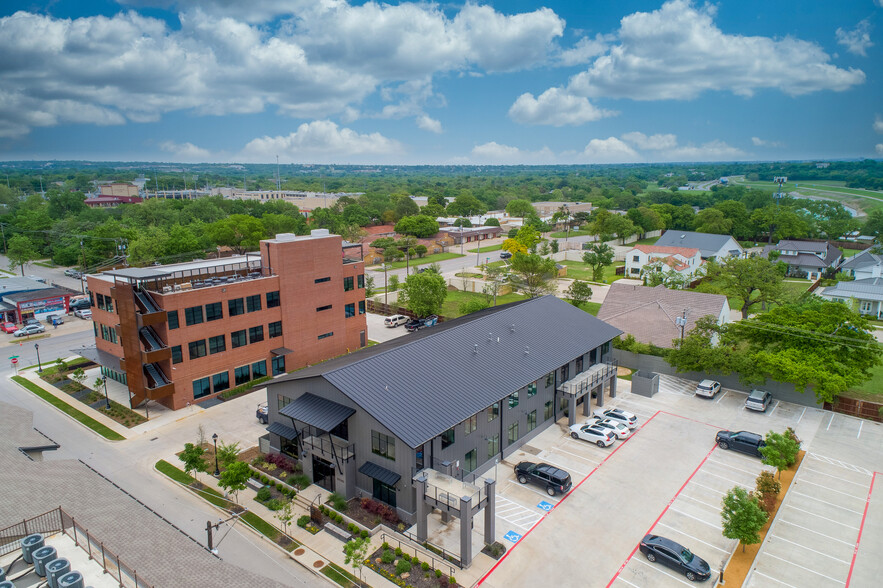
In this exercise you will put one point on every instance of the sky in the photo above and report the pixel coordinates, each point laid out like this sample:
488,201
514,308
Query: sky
484,82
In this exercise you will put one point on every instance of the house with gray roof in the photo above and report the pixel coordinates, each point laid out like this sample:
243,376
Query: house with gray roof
451,400
867,294
805,259
709,245
866,264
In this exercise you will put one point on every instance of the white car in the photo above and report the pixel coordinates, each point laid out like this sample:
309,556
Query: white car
618,429
708,388
620,416
592,434
395,320
29,330
83,313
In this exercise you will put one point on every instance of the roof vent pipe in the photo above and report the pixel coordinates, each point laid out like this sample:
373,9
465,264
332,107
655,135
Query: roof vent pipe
512,328
475,349
526,349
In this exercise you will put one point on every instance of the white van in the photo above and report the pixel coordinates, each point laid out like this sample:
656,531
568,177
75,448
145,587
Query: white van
395,320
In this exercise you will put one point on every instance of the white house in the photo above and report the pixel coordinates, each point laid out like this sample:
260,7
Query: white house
709,245
680,260
806,259
867,293
864,265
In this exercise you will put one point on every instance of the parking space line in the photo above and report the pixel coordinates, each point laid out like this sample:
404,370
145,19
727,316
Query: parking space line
735,468
861,529
832,490
660,570
721,492
809,469
722,396
801,415
773,579
859,434
809,549
558,465
575,455
825,501
842,464
712,525
774,409
526,487
804,568
830,421
699,501
728,480
821,517
627,582
816,532
693,538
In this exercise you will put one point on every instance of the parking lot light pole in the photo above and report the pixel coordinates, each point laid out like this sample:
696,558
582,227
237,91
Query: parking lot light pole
106,398
215,441
39,366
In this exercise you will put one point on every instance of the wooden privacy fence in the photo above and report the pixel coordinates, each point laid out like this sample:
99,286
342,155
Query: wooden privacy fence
864,409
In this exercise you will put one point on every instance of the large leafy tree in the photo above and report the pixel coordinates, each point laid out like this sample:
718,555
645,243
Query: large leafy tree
753,280
741,517
780,222
578,293
238,231
418,225
424,293
466,205
780,451
519,208
20,251
599,256
712,220
536,274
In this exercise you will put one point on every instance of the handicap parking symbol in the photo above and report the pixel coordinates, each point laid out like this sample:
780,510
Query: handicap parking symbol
512,537
546,506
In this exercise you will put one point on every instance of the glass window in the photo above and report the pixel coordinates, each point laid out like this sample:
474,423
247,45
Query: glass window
214,311
565,372
177,355
193,315
326,335
383,445
173,319
241,375
493,412
321,308
532,389
347,284
259,369
513,399
202,387
282,401
256,334
278,365
447,438
221,381
471,424
470,461
217,344
384,492
197,349
235,307
273,299
360,280
238,339
579,364
320,280
547,410
108,304
531,420
512,434
550,379
349,310
253,303
274,329
361,307
493,446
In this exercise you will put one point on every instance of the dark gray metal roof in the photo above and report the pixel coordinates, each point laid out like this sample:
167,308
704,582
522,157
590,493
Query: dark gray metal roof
99,356
139,273
422,384
317,412
281,351
40,294
282,431
372,470
707,243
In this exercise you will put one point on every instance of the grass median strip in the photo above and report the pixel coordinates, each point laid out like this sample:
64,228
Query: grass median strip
69,410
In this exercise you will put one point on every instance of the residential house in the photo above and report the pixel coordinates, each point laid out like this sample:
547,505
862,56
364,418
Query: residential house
659,315
805,259
866,264
642,259
867,294
710,246
470,234
547,209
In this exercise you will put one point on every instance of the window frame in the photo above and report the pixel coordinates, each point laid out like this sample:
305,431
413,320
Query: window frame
207,381
253,303
235,341
212,344
349,310
198,345
237,373
383,445
273,299
470,424
190,315
173,320
448,438
255,334
224,385
274,329
235,306
214,316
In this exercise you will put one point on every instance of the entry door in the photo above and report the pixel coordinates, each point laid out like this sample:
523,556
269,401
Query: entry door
323,473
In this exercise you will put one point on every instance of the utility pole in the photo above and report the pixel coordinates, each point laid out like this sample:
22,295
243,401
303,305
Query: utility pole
4,238
681,321
209,527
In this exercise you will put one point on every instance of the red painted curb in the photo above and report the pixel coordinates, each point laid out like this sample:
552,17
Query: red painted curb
860,529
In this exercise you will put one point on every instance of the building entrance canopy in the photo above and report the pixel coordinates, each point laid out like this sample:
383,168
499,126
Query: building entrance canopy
317,412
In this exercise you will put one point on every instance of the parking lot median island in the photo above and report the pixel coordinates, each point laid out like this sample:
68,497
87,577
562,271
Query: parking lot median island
69,410
741,562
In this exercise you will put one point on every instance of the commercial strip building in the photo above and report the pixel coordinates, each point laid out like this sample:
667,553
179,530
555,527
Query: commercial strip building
24,298
450,402
187,332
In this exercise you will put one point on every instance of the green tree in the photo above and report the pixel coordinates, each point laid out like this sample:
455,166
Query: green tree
420,249
238,231
370,289
432,210
874,223
529,237
768,488
392,283
79,376
753,280
406,207
355,551
228,454
737,213
578,293
519,208
424,293
466,205
780,451
419,226
708,348
193,459
780,222
492,222
536,275
712,220
234,478
554,245
20,251
599,256
284,516
741,517
473,305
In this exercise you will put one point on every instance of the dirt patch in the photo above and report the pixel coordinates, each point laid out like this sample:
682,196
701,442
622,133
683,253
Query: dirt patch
623,371
249,454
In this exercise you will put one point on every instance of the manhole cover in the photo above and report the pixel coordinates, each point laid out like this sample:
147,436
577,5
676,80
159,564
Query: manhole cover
318,564
299,551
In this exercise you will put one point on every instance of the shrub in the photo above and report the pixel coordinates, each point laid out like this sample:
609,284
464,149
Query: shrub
424,566
271,467
301,481
337,501
272,482
302,521
264,494
385,546
265,480
452,580
352,528
279,461
415,561
398,552
384,511
406,557
322,509
388,556
275,504
364,534
258,461
438,573
402,566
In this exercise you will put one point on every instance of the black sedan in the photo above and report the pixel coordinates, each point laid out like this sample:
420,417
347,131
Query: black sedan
675,556
742,441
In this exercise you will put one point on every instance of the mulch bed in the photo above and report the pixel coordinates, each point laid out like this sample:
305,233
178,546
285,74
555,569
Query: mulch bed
360,515
417,577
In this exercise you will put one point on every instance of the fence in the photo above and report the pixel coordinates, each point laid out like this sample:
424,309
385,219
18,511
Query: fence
388,309
46,523
424,553
859,408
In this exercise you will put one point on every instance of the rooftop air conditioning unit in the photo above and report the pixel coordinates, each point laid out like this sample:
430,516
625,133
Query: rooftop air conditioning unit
7,585
29,545
42,557
55,569
71,580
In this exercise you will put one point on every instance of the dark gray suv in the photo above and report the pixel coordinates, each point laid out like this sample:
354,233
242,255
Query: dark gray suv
554,480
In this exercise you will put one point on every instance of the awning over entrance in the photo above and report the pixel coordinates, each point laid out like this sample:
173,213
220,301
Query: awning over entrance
372,470
102,358
282,430
281,351
317,412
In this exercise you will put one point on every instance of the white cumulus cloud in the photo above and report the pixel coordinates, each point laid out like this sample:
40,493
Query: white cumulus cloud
186,151
858,40
653,142
878,122
879,148
555,107
496,153
609,150
322,141
429,124
758,142
584,50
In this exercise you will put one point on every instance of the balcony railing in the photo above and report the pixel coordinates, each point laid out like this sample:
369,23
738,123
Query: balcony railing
336,447
591,378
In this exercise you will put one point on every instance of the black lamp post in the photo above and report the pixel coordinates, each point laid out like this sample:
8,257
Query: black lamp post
39,366
106,399
217,469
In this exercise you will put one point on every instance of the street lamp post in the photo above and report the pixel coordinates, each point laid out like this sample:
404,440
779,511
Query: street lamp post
217,469
385,286
39,366
106,398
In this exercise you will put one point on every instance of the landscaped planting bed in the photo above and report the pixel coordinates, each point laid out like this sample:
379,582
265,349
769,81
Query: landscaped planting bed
405,570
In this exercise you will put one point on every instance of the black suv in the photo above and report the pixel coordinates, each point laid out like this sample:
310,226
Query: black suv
748,443
675,556
554,480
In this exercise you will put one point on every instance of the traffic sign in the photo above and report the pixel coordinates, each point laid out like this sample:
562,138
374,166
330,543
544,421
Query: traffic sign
14,360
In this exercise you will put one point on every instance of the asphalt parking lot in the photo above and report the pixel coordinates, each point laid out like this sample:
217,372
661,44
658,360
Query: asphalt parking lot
669,479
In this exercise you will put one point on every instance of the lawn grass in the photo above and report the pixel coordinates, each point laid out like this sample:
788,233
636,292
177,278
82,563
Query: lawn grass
847,253
564,234
451,307
487,249
418,261
591,307
647,241
48,264
578,270
69,410
339,575
871,389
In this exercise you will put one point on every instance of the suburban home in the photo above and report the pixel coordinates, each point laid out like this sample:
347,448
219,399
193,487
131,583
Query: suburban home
867,294
655,315
710,246
866,264
444,404
805,259
643,258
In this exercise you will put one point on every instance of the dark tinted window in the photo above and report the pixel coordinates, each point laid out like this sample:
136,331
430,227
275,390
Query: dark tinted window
173,319
214,311
221,381
193,315
273,299
253,303
177,355
197,349
235,306
256,334
259,369
217,344
274,329
320,280
238,338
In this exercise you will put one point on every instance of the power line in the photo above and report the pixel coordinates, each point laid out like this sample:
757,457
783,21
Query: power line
807,334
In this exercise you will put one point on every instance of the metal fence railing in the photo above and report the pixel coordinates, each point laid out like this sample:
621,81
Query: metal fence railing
46,523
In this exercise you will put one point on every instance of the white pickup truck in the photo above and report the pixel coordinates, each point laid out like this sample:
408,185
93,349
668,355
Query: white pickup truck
395,320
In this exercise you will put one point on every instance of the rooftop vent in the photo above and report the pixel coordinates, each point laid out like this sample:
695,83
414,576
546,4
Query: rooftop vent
42,557
285,236
29,545
319,233
55,569
526,349
512,328
475,349
71,580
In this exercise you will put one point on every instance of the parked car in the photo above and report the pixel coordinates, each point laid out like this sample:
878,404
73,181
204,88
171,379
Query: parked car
708,388
72,273
8,327
758,400
626,418
54,319
79,303
262,414
395,320
675,556
619,430
413,325
554,480
30,321
596,434
505,254
742,441
29,330
83,313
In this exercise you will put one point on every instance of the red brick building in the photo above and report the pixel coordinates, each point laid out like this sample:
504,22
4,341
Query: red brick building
187,332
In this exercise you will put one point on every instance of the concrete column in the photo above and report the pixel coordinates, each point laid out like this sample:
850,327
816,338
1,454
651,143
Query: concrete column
571,411
601,395
490,511
613,387
465,530
587,403
422,508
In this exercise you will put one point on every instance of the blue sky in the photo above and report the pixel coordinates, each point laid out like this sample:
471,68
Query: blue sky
514,82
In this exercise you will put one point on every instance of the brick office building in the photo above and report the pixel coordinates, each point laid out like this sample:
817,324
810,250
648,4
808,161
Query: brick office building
186,332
